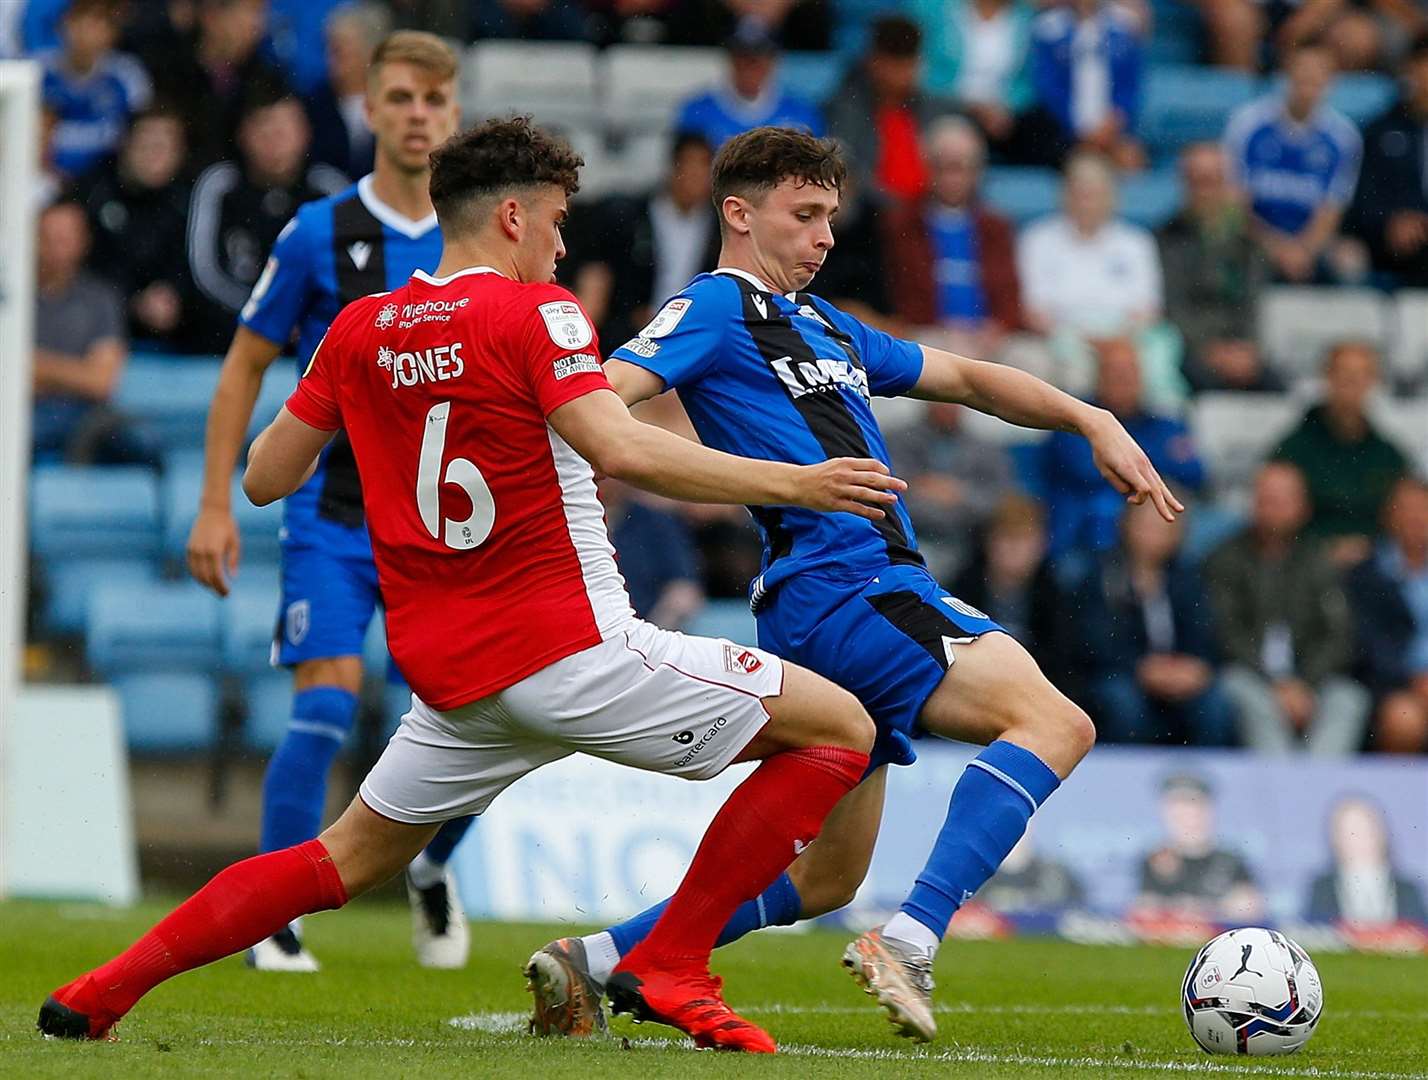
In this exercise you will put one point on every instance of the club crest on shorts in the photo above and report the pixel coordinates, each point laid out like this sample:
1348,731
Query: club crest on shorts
741,661
297,621
566,324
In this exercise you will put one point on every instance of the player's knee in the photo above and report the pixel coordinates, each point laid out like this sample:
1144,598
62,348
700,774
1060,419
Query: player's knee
1060,726
853,727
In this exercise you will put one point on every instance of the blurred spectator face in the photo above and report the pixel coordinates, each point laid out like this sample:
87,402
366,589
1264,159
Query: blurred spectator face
1349,377
1189,820
1118,382
1358,834
1149,538
62,243
153,152
348,51
1090,192
1415,80
232,29
411,112
944,416
1016,541
894,76
89,33
1406,516
1309,72
1207,189
750,71
691,174
954,155
1281,501
274,141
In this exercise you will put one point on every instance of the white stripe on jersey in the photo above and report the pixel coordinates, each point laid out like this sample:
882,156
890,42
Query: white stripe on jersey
585,522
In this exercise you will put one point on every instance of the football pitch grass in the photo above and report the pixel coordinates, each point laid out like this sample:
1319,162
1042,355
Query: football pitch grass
1024,1008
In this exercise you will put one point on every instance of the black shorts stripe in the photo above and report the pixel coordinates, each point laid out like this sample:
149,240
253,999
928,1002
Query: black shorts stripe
359,260
909,614
827,414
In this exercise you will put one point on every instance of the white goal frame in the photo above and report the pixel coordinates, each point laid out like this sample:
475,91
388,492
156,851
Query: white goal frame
19,149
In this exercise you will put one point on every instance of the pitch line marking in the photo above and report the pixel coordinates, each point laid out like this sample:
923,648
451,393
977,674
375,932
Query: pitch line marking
513,1023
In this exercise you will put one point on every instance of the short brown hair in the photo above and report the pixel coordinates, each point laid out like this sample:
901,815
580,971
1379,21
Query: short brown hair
752,164
418,48
494,158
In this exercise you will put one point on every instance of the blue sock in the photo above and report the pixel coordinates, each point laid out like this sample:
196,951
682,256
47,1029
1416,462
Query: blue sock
991,804
295,786
445,841
778,905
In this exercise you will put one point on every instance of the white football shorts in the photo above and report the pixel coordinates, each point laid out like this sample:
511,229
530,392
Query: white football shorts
650,698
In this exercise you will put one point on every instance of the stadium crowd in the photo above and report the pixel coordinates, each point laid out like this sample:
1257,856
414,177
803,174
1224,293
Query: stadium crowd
1288,610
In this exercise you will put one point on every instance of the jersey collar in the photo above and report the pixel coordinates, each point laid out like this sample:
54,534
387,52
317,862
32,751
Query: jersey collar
422,275
393,220
734,271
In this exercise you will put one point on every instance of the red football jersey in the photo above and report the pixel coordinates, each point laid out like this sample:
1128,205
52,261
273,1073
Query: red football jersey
491,546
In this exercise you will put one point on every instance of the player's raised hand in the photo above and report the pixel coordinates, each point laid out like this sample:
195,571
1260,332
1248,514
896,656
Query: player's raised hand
859,486
214,548
1127,468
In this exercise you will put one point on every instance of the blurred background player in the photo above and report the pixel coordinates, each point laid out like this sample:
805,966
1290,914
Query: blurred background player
767,370
368,238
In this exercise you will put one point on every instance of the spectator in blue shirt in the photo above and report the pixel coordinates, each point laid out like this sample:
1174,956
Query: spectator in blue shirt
1087,59
92,89
1085,513
657,556
751,97
1297,161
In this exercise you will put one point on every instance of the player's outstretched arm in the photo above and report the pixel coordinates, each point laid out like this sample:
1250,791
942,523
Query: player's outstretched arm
282,458
213,545
600,428
1019,398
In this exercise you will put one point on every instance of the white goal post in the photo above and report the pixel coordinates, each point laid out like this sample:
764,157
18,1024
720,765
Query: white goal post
19,149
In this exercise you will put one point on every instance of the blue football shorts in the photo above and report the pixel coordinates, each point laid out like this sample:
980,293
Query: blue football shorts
889,641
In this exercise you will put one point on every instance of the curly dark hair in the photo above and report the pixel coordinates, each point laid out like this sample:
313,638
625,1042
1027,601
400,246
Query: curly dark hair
493,158
752,164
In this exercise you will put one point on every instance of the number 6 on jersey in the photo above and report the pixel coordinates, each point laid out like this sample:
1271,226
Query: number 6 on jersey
459,535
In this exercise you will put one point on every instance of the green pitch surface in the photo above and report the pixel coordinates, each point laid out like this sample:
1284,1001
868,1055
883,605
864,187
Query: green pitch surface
1006,1009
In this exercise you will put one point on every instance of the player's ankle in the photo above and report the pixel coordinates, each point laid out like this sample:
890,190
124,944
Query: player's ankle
906,930
601,956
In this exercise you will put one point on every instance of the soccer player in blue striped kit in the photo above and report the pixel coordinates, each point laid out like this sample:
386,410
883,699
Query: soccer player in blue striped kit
369,238
767,370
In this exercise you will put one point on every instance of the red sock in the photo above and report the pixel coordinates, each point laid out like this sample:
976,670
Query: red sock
238,908
753,838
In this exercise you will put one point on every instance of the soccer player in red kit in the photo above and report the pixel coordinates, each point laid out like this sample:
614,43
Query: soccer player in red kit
476,405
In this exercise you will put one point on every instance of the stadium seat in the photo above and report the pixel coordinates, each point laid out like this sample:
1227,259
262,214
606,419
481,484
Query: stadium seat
1178,30
1361,95
553,81
730,619
267,707
1297,324
641,162
1410,337
645,84
167,712
1236,429
69,585
1020,193
1185,104
91,512
166,627
813,75
1405,421
183,483
600,175
170,395
248,617
1150,199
